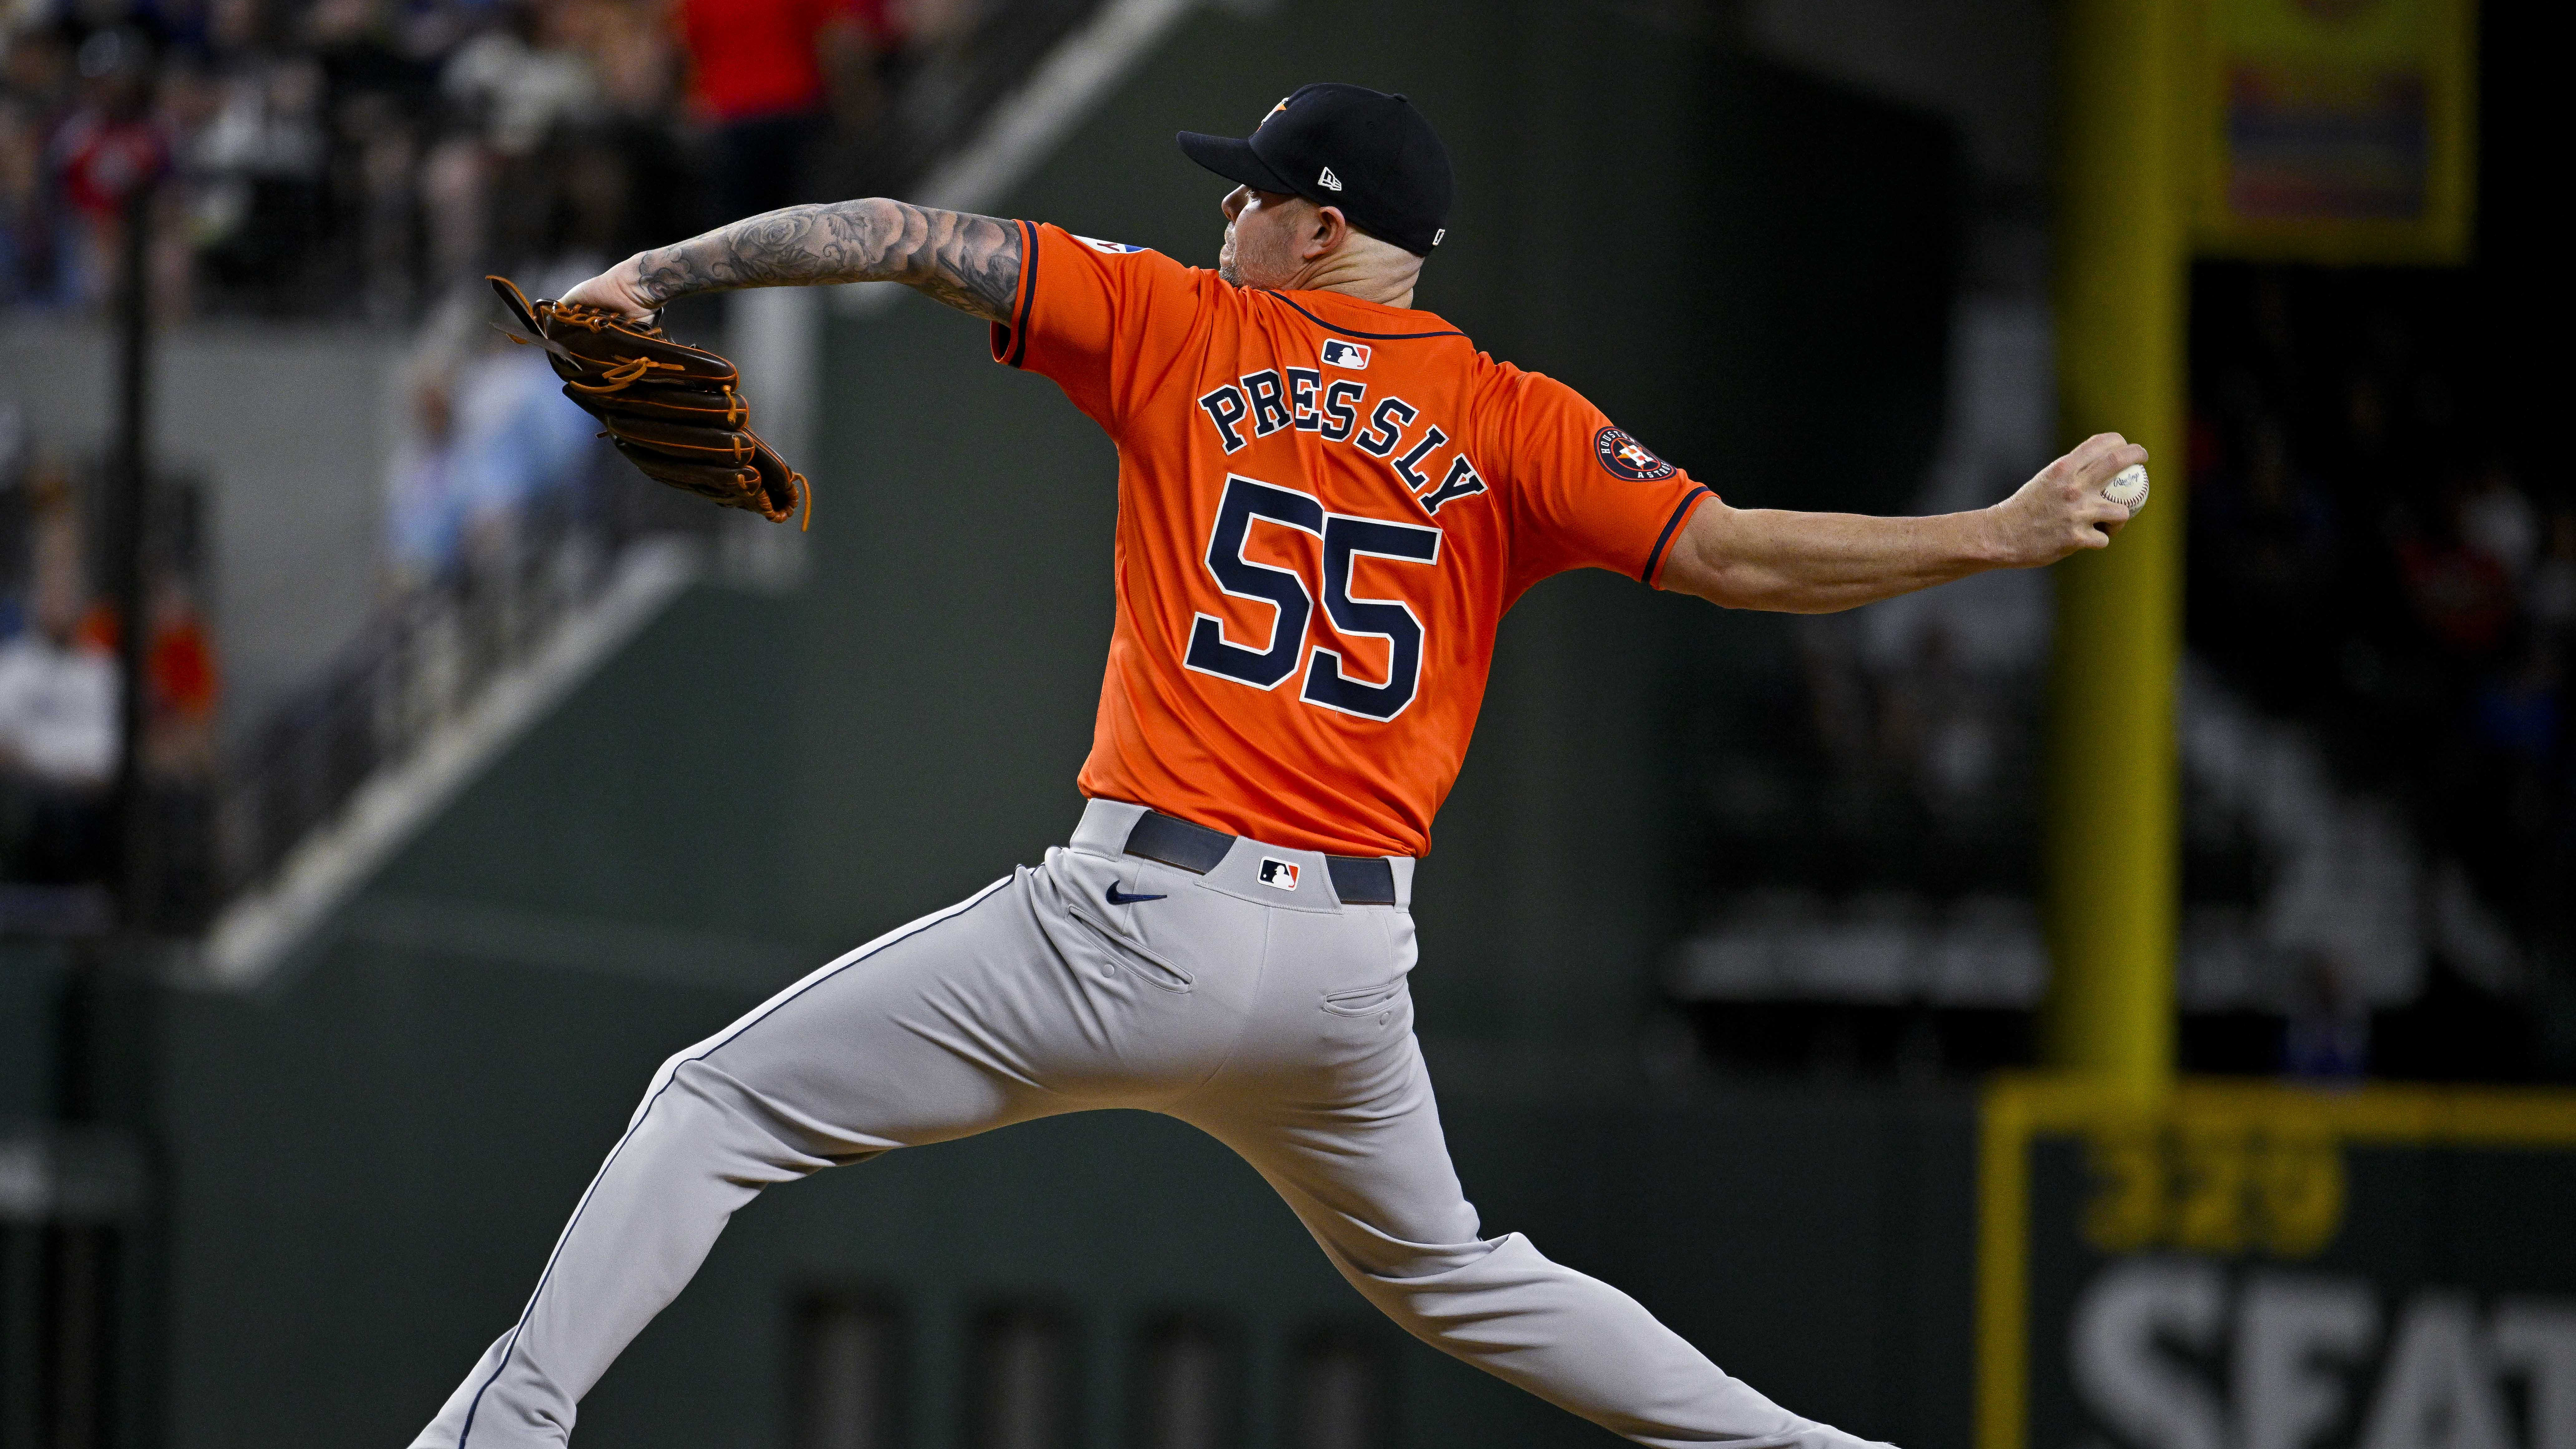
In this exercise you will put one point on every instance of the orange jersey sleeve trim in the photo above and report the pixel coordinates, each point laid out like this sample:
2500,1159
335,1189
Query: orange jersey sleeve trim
1011,339
1660,556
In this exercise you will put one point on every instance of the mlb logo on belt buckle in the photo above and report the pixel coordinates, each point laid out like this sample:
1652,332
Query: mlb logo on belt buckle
1338,353
1280,873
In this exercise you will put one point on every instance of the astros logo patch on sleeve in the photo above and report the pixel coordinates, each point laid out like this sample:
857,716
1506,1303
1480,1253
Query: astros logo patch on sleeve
1627,458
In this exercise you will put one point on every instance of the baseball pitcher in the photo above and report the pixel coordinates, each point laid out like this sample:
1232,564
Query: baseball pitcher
1326,501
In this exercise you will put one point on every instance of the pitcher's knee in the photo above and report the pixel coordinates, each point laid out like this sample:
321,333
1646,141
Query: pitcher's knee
1406,1276
702,1110
1424,1267
659,1084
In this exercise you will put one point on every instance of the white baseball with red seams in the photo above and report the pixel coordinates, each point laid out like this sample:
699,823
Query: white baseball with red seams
2128,488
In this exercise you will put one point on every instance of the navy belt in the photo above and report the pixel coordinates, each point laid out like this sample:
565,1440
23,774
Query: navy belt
1360,880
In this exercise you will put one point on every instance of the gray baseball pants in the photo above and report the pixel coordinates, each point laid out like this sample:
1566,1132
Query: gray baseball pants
1274,1018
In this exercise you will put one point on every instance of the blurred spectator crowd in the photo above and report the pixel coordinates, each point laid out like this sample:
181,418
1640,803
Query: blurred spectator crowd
369,161
2379,829
360,157
60,693
2373,554
486,435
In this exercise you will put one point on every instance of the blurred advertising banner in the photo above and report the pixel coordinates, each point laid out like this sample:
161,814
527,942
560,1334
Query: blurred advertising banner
2252,1266
2334,130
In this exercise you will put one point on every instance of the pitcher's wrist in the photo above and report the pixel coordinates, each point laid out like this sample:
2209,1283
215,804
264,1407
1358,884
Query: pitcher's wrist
1989,539
632,275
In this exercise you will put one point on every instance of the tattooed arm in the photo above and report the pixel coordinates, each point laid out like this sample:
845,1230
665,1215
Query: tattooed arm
970,262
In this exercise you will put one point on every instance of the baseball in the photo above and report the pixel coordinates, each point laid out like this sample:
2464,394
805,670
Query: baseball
2128,487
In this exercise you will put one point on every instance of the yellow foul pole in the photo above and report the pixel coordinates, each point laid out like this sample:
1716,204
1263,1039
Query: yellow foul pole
2110,847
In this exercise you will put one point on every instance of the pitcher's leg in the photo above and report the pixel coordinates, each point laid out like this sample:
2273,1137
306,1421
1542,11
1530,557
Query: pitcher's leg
874,1051
1370,1177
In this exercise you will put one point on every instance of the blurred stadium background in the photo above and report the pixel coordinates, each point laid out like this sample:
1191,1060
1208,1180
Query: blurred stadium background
1792,973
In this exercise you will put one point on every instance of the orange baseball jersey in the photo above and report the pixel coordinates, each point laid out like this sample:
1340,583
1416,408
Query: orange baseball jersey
1325,506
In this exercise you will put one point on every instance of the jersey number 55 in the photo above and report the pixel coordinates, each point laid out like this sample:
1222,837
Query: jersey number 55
1344,539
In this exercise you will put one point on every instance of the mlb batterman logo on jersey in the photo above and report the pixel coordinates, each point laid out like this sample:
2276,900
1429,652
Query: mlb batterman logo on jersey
1280,873
1337,353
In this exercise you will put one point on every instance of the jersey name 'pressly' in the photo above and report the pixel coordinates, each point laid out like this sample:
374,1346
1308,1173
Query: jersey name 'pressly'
1304,402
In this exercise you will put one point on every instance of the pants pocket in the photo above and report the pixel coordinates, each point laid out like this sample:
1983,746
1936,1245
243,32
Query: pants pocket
1364,1000
1149,968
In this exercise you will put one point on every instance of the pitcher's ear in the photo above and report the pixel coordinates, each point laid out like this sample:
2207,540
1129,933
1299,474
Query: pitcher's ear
1330,227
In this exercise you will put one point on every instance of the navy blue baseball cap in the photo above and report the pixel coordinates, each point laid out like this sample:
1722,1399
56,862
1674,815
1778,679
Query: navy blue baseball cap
1367,152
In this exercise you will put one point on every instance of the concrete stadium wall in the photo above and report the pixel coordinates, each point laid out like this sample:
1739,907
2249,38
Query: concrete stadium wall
372,1156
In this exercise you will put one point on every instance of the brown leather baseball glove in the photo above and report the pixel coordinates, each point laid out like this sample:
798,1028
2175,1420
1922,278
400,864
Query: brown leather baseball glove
672,409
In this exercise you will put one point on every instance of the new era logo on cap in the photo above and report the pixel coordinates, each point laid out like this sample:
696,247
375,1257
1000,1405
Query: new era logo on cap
1328,180
1337,353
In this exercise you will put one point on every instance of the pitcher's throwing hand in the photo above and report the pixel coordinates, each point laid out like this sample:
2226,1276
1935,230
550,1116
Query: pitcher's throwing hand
2062,510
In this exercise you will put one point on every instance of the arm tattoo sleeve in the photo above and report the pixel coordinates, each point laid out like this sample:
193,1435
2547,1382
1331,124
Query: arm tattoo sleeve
970,262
